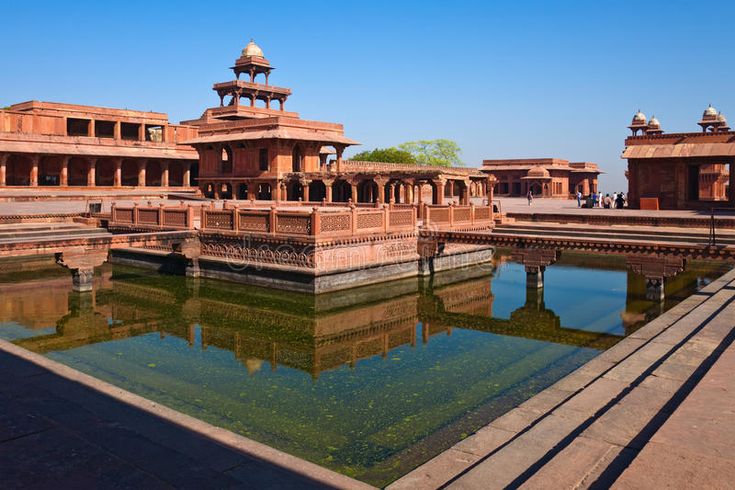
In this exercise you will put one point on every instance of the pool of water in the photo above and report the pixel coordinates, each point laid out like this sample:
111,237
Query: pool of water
370,382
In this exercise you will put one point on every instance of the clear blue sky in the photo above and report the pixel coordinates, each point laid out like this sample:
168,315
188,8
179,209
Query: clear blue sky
503,79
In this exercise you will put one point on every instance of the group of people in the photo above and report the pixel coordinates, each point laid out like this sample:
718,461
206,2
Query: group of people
597,200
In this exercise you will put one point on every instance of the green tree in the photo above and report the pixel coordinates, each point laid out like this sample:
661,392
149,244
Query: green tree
386,155
438,152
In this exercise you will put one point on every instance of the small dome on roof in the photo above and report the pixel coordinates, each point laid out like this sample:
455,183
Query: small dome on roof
721,118
252,49
653,123
639,117
538,171
710,111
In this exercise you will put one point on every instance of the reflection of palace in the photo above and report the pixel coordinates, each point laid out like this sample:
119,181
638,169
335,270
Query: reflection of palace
266,328
247,147
299,331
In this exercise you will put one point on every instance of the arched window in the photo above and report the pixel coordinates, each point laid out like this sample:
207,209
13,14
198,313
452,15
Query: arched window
226,166
297,159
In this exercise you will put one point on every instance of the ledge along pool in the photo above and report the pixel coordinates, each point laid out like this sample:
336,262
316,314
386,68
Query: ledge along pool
370,382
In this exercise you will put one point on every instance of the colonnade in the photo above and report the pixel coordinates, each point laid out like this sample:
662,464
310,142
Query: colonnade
33,170
356,189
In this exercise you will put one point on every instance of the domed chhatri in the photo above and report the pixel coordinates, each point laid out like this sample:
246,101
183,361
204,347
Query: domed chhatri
252,49
638,123
654,127
709,111
538,172
711,121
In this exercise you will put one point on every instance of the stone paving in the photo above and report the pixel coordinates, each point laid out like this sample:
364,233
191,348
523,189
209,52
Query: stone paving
585,430
57,432
569,206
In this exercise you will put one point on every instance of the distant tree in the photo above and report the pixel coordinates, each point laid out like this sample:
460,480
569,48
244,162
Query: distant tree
439,152
386,155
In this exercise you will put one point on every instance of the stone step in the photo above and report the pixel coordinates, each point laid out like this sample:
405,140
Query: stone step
99,233
722,239
586,428
50,233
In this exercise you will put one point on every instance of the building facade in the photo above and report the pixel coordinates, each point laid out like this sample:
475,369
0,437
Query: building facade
249,149
680,170
67,145
543,177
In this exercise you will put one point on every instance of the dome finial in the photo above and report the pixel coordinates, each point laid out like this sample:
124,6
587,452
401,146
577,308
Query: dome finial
252,49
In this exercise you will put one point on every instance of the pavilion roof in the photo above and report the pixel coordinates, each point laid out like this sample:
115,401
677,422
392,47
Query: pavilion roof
288,133
682,150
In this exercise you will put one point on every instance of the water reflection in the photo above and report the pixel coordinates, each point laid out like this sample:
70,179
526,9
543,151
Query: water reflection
370,382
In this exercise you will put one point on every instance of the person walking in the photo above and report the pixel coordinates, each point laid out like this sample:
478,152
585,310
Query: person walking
607,202
529,196
620,201
579,199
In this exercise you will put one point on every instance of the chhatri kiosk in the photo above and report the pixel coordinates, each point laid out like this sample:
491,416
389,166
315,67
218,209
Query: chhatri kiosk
680,170
249,149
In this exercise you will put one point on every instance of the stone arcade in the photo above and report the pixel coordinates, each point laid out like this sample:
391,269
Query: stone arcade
680,170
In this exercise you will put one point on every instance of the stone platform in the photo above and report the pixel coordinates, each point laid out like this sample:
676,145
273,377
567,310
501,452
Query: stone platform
655,410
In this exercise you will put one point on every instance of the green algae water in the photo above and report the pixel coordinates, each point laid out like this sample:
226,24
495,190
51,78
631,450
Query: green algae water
370,382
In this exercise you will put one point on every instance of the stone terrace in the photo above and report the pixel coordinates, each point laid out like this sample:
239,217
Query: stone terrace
654,410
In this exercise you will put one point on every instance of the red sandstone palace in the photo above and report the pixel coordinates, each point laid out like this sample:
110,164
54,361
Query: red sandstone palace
681,170
544,177
246,148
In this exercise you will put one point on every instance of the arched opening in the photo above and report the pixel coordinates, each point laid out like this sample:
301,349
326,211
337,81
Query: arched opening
226,160
535,188
49,171
129,173
18,170
77,172
264,192
242,191
341,191
209,191
367,191
317,191
153,173
225,191
297,159
176,174
294,191
105,173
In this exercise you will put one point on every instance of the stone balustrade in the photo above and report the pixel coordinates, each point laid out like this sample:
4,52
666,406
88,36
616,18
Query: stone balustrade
452,216
158,217
317,222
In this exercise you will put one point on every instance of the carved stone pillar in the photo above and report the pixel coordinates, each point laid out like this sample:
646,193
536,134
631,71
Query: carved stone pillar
535,261
164,174
91,172
64,177
535,276
305,190
33,178
353,188
117,179
439,185
381,190
141,172
187,174
81,264
328,188
3,169
340,150
655,269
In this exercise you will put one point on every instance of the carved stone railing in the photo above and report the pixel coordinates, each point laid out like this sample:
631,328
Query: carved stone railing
152,217
452,216
317,222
